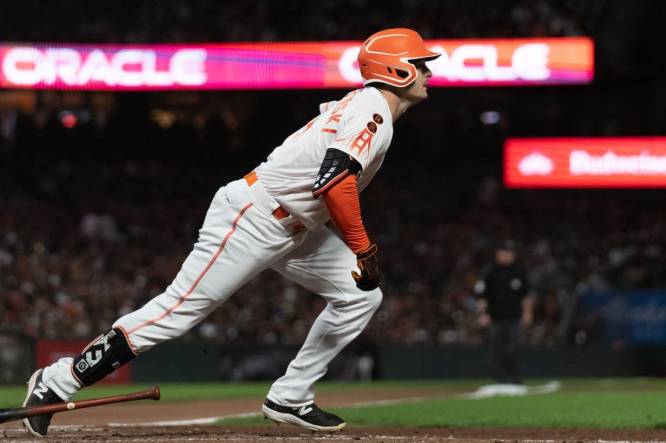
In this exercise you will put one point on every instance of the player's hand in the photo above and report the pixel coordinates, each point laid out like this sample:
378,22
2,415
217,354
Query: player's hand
368,263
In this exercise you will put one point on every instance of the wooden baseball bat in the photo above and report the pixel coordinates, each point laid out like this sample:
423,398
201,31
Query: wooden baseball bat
30,411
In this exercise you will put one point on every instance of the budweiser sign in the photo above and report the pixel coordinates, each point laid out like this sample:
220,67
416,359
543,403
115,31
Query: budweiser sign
585,162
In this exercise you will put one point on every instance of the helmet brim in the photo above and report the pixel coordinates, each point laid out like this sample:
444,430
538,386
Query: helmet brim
426,56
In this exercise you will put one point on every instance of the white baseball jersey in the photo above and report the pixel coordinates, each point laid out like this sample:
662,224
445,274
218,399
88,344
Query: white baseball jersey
240,238
360,124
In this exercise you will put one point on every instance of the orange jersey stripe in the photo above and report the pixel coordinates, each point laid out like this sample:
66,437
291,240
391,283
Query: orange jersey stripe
184,297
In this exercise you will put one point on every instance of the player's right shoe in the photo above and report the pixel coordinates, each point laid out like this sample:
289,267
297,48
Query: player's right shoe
39,394
308,416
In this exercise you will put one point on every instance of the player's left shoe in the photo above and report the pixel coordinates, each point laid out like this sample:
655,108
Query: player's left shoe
308,416
39,394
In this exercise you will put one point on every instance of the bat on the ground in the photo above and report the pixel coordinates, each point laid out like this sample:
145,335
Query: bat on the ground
31,411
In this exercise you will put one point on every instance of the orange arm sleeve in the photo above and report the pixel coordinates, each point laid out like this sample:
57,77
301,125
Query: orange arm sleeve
345,208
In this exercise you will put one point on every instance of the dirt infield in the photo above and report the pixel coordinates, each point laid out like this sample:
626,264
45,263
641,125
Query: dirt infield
136,422
196,434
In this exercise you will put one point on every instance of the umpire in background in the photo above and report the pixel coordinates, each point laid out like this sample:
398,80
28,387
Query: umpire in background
504,305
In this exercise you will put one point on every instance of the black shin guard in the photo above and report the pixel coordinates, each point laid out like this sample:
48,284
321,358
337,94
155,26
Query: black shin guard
102,357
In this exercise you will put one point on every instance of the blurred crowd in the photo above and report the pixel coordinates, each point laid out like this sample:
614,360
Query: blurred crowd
95,223
152,21
102,195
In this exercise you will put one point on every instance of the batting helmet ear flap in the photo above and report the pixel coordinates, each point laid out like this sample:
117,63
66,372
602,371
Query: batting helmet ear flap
402,74
387,57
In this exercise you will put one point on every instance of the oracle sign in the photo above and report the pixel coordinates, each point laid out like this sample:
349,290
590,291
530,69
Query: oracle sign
616,162
124,67
284,65
494,63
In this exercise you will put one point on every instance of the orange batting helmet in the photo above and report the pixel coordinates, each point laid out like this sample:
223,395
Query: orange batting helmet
387,56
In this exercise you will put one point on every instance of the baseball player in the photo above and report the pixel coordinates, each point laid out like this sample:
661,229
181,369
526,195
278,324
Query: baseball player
276,217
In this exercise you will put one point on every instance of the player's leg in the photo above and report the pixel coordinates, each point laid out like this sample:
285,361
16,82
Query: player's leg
323,264
496,345
513,344
236,242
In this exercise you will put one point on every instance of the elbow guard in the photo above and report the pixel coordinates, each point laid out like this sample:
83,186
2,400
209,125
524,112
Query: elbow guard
336,166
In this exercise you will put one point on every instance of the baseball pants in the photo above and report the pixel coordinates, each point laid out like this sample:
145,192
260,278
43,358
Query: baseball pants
505,341
240,238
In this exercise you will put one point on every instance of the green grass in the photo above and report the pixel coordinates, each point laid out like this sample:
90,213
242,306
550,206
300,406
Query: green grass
604,404
599,403
11,396
564,410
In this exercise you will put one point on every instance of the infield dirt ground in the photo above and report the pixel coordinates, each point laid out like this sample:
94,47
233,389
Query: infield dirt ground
135,422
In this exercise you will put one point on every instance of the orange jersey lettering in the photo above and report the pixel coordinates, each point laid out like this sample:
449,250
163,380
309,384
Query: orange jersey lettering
362,141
